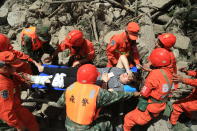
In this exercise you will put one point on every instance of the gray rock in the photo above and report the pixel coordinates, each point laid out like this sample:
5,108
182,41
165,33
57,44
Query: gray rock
8,3
109,17
117,13
46,8
181,64
17,7
3,15
12,34
158,28
54,40
123,13
182,42
62,19
164,18
160,3
62,34
3,12
24,95
31,20
36,5
176,53
16,18
16,45
160,125
46,22
69,18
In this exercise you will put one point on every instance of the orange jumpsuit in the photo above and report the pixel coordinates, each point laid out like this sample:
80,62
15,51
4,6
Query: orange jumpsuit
172,66
120,45
156,87
187,104
11,110
86,50
23,66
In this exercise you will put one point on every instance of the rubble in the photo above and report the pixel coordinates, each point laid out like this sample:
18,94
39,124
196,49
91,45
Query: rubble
182,42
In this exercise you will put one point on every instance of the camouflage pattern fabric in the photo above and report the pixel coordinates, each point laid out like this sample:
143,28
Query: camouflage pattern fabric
5,127
36,55
104,98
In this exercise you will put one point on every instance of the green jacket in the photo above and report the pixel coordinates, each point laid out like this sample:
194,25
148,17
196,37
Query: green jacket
104,98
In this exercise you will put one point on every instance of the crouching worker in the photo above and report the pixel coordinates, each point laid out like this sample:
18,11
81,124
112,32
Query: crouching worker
11,111
155,92
83,100
188,104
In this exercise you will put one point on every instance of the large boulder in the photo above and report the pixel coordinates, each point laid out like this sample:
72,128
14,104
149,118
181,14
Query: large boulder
182,42
16,18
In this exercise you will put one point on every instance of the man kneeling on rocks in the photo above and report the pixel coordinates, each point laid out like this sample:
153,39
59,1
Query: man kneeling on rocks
155,92
11,110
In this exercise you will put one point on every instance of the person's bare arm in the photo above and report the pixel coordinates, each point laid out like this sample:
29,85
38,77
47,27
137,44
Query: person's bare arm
123,63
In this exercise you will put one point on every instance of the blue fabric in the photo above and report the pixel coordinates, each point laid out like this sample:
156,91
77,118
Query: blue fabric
43,74
54,66
128,88
134,69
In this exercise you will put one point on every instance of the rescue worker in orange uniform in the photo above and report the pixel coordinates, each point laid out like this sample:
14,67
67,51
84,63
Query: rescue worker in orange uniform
81,50
23,66
35,42
167,41
155,91
83,100
124,44
188,104
11,110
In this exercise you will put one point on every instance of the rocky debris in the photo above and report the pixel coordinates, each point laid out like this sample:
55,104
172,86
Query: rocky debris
182,42
158,28
99,20
3,15
16,18
160,3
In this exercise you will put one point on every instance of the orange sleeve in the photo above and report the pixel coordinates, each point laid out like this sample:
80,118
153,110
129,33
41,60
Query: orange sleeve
136,55
110,51
8,113
192,82
63,45
149,85
90,50
192,73
22,56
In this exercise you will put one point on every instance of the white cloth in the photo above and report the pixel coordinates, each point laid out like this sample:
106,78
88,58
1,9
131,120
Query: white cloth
58,80
40,79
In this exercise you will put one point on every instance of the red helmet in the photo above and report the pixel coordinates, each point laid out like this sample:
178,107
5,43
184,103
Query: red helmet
87,74
167,39
160,57
4,41
75,37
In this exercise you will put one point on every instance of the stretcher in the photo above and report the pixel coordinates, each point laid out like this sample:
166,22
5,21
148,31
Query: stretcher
38,86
